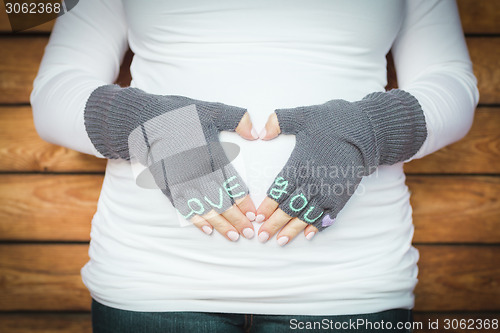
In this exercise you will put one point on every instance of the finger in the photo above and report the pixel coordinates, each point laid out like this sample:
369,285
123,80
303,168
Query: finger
247,207
222,225
234,216
272,128
202,224
290,231
310,231
273,224
266,209
245,128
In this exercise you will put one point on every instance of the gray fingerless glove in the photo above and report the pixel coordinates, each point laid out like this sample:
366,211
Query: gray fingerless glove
339,142
176,137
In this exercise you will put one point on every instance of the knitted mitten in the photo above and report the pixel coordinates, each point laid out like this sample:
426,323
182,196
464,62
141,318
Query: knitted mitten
339,142
176,137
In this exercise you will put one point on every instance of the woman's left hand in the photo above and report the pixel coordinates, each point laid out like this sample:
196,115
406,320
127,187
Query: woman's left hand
337,143
276,219
334,149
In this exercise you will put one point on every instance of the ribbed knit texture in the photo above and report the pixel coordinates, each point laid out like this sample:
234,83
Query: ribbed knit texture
339,142
111,114
176,137
398,123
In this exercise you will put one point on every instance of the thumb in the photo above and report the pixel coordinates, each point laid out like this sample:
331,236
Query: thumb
272,128
245,128
290,121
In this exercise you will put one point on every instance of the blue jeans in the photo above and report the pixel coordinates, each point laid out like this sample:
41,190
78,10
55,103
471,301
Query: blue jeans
110,320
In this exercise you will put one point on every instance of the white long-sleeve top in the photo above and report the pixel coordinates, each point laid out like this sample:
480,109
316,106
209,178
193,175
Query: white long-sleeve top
260,55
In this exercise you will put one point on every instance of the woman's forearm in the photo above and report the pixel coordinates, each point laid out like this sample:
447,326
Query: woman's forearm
78,58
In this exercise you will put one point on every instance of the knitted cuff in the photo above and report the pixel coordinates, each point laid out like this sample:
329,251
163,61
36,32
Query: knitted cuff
111,114
398,123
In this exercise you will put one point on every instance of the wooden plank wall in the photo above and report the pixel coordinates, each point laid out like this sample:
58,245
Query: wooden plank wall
48,195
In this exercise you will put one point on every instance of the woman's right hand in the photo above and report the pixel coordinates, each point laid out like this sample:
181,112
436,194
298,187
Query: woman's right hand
177,139
192,167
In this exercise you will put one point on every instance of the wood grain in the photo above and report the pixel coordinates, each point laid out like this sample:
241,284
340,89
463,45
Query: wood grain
392,79
46,323
477,152
21,149
49,207
458,278
46,277
19,66
43,277
456,209
479,16
485,56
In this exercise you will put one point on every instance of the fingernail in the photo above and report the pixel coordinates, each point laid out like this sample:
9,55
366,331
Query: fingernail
254,133
233,235
283,240
206,229
260,218
263,236
248,233
250,216
310,235
262,134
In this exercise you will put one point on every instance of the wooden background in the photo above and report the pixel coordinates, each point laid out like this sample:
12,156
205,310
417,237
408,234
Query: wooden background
48,195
